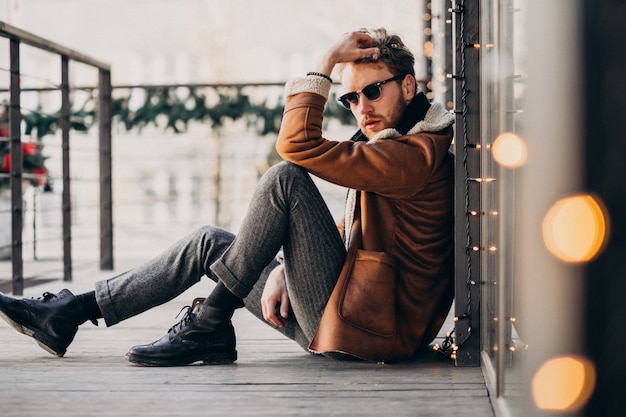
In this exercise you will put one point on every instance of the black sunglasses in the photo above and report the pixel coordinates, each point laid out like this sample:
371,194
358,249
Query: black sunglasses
371,92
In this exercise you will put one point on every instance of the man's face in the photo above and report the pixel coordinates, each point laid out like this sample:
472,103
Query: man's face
384,112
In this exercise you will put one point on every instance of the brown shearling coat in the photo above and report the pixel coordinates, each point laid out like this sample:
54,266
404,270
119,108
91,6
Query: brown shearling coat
403,224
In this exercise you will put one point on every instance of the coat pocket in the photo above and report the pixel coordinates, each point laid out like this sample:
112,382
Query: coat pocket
368,299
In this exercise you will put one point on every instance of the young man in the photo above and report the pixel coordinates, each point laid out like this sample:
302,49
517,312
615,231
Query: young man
378,287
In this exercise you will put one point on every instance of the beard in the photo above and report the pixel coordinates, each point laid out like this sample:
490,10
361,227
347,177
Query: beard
383,121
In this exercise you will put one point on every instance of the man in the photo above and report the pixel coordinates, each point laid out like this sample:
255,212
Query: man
377,288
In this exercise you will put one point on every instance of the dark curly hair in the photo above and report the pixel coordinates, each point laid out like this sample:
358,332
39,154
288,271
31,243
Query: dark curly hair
393,53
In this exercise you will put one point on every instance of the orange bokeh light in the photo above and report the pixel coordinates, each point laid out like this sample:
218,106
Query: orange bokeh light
575,228
509,150
564,383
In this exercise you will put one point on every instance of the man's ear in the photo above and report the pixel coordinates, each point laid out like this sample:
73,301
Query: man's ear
409,87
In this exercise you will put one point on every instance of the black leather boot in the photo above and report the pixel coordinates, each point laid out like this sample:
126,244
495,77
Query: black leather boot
204,334
52,320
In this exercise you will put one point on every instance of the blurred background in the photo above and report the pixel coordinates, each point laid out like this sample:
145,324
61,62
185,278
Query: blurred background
537,90
168,171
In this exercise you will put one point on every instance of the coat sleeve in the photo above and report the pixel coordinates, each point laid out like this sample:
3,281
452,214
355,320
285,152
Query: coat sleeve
395,168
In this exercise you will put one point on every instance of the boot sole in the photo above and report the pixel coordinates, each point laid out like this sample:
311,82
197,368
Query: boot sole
41,338
218,358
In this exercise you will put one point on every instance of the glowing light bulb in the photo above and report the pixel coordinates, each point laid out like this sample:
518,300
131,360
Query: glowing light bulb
509,150
564,383
575,228
428,49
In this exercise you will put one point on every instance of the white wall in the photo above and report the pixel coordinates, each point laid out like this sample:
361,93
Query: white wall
184,41
166,41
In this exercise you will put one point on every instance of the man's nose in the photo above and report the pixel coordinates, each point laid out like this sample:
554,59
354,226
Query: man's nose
365,105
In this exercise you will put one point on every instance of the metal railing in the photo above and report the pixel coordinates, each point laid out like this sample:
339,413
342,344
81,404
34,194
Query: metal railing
16,38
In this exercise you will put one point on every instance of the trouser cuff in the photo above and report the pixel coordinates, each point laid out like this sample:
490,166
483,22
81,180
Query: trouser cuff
232,282
103,298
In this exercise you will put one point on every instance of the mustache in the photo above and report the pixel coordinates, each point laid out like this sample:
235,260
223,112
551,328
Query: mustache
371,117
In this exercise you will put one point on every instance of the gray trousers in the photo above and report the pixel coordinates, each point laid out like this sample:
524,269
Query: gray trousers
286,211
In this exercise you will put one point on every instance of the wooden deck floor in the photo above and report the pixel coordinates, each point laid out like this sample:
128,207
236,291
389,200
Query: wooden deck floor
273,376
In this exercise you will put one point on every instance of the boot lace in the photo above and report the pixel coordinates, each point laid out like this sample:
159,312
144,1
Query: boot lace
45,296
187,318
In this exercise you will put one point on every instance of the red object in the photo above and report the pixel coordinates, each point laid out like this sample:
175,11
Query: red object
41,175
6,163
29,148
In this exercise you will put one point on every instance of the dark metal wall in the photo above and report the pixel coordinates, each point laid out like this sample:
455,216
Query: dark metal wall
605,173
466,75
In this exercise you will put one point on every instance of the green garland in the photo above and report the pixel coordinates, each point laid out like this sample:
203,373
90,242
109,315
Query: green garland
232,104
163,107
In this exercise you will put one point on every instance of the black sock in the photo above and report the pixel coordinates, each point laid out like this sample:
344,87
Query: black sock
92,310
222,298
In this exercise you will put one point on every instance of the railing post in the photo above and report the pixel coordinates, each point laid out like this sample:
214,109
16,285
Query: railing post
15,145
105,115
65,140
16,38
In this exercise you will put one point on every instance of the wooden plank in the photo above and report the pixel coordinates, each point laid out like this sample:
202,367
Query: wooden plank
273,376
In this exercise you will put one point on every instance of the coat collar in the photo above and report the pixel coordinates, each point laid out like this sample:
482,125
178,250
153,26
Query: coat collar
419,116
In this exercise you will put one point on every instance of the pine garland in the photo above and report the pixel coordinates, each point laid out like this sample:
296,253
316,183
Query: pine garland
163,107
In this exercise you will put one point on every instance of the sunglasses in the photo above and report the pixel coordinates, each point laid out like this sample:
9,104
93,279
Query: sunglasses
371,92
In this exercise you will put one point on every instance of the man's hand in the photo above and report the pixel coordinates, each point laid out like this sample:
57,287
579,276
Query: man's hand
349,48
275,295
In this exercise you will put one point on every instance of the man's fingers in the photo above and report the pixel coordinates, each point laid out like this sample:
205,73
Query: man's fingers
270,314
373,53
264,308
270,317
275,319
362,38
284,305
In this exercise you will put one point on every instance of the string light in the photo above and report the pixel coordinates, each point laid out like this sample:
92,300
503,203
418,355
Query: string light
575,228
481,179
458,9
509,150
428,49
564,383
447,349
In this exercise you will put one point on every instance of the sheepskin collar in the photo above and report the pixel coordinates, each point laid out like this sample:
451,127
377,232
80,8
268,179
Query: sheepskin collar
419,116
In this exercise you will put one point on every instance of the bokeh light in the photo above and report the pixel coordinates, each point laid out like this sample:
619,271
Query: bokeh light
509,150
564,383
575,228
